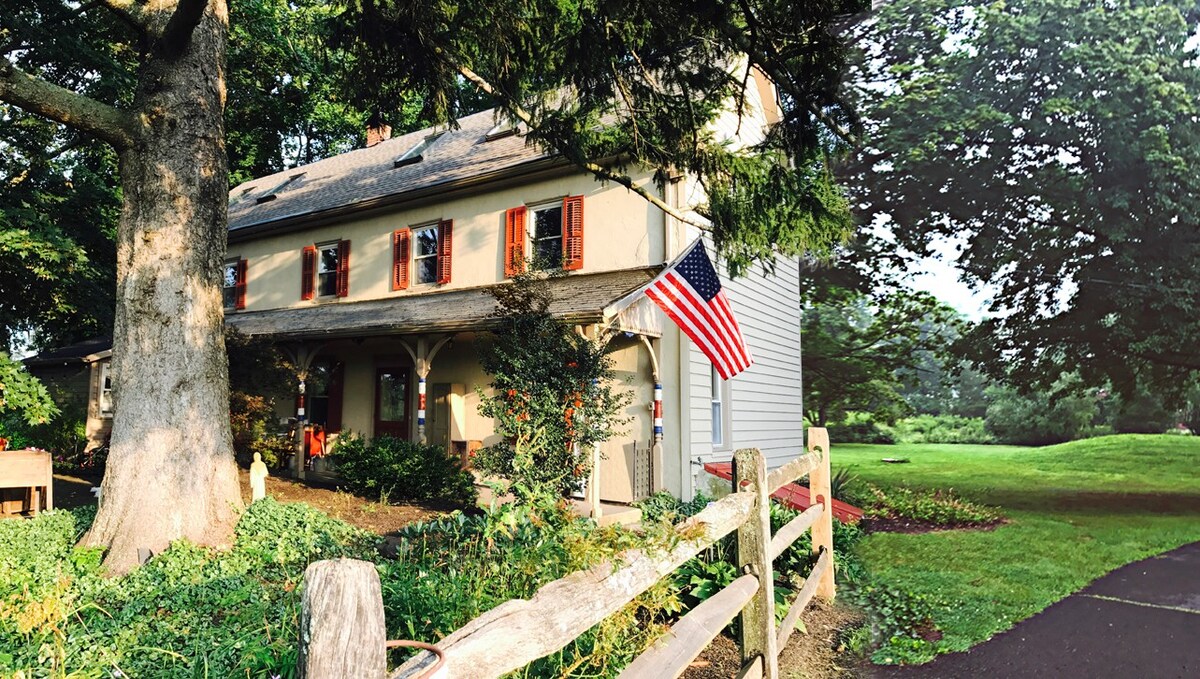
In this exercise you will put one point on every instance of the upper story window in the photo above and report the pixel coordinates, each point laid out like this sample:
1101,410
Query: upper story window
233,284
425,254
551,237
325,270
422,253
547,237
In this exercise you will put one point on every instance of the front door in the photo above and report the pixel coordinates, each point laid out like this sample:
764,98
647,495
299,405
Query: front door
391,402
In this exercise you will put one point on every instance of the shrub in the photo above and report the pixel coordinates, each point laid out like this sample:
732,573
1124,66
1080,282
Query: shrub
1039,419
397,469
942,429
859,429
64,434
552,395
938,507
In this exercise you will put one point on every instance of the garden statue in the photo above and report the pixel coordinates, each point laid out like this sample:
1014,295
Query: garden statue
258,478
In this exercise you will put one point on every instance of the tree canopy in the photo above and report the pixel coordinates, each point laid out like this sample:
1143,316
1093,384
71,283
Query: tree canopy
1057,142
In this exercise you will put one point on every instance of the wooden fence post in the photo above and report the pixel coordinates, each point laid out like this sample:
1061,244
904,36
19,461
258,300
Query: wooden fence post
342,633
754,539
819,488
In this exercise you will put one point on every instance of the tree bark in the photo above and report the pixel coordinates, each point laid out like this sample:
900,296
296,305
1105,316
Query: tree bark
171,472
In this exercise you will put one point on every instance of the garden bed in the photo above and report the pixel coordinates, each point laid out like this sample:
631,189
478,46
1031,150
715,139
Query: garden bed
915,526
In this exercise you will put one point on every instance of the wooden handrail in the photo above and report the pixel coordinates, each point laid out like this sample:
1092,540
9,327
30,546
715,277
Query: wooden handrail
562,610
676,649
803,597
793,529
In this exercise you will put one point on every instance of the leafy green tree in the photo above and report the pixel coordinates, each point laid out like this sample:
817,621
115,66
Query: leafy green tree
642,83
1058,143
1041,418
552,397
23,394
858,347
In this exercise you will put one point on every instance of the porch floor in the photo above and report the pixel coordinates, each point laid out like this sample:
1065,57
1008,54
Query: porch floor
610,512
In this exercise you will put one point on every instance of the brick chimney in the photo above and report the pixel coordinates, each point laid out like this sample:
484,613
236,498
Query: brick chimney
377,130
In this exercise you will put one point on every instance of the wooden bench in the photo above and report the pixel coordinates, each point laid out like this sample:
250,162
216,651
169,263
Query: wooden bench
31,470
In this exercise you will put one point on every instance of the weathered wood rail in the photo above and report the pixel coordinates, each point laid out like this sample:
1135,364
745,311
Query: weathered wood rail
518,632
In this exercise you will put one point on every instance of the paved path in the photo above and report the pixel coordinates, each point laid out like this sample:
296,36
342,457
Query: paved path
1141,620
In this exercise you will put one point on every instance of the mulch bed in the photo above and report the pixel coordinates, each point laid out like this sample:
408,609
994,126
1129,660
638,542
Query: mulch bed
903,525
73,489
814,654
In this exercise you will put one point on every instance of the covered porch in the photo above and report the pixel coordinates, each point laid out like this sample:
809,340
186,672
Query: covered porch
409,367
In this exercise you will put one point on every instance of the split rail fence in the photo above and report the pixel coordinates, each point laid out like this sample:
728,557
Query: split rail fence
342,619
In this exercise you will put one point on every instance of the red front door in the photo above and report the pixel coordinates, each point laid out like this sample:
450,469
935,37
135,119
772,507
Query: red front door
391,402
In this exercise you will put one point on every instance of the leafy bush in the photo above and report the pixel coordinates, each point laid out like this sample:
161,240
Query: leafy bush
859,429
397,469
551,394
23,394
938,507
942,429
64,434
1039,419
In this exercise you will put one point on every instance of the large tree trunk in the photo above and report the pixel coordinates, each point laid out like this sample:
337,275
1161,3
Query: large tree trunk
171,472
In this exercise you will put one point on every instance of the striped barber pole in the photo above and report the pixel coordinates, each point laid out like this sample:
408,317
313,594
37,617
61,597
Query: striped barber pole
658,413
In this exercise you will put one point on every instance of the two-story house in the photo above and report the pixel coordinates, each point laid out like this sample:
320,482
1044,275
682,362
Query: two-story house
370,266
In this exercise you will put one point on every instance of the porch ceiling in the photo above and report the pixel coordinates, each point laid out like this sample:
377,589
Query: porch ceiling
577,298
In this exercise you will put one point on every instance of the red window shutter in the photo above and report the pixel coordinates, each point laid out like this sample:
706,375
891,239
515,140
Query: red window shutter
514,241
333,416
343,269
445,248
400,257
240,287
308,271
573,233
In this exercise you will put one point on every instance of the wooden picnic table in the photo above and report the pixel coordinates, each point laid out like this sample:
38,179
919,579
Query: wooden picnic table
31,470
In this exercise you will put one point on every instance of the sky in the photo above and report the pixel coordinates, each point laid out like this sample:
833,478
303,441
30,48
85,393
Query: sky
939,278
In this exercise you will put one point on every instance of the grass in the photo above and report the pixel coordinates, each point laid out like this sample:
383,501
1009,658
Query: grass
1077,511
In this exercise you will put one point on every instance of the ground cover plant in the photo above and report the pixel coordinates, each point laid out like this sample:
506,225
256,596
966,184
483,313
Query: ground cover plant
1075,512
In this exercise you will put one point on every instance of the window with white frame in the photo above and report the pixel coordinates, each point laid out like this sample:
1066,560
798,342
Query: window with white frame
229,283
547,236
425,254
718,410
327,268
105,395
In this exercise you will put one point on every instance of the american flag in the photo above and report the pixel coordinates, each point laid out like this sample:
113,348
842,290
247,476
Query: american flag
690,293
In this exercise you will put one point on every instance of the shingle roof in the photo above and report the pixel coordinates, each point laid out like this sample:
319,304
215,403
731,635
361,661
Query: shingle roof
369,174
80,352
577,298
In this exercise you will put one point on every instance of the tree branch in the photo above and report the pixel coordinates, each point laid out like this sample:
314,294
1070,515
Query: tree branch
62,105
178,33
130,11
596,169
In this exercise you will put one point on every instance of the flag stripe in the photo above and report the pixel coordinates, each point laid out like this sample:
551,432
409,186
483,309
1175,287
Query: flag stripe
723,306
721,336
680,312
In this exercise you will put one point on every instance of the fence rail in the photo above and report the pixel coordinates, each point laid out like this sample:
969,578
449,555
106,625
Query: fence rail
520,631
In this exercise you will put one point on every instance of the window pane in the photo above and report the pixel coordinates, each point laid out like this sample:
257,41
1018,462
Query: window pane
328,260
427,270
547,223
717,434
547,254
327,284
426,242
391,396
229,296
231,274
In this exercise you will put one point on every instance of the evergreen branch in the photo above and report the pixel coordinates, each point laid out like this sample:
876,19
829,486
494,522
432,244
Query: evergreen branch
599,171
178,32
64,106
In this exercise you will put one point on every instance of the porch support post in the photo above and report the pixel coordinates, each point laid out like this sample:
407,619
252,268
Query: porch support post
423,361
302,355
656,452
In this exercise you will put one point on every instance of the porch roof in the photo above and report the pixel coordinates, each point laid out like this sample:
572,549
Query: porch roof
578,298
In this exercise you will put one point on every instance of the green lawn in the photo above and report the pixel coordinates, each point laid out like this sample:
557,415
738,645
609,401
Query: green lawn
1076,510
